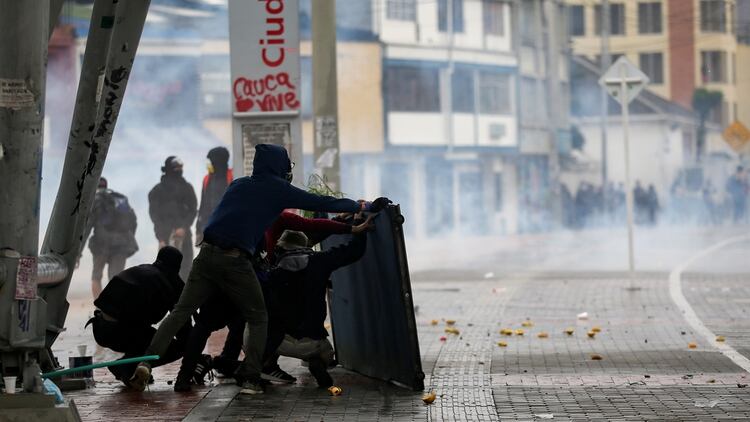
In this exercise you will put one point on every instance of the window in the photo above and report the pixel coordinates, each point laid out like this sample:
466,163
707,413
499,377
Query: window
528,100
713,16
714,66
401,10
616,19
528,16
652,64
411,88
462,91
458,15
577,20
494,93
649,18
499,192
494,18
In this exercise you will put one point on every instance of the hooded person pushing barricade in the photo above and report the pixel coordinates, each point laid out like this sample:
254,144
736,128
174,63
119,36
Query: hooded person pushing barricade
249,206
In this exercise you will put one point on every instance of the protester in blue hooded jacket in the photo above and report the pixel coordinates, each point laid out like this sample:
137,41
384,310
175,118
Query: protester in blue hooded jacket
249,206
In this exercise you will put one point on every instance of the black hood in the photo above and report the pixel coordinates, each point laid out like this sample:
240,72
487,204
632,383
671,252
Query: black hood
271,159
219,157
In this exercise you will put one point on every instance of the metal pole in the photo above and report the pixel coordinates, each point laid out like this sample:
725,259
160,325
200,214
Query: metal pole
626,141
447,85
605,62
98,103
23,64
325,93
23,57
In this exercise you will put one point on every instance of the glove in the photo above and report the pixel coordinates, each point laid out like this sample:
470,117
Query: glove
379,204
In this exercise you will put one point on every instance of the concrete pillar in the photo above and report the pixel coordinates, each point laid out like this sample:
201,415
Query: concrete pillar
23,64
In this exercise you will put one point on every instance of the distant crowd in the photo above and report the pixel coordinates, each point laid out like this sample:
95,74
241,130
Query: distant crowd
594,206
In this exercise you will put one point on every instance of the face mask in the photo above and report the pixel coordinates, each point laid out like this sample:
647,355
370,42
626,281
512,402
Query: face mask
210,167
289,175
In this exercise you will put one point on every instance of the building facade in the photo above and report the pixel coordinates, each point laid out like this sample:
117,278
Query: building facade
680,44
456,109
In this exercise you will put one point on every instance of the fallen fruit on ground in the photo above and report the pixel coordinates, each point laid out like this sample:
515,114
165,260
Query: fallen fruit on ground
502,344
527,324
596,357
434,322
506,332
429,397
335,391
542,335
569,331
451,330
519,332
596,329
450,321
720,339
591,334
692,345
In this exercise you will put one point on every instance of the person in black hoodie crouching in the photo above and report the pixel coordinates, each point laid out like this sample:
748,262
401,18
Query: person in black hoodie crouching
132,302
300,279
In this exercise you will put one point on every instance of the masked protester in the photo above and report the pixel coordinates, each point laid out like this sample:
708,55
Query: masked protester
132,303
172,206
113,222
237,225
214,184
299,282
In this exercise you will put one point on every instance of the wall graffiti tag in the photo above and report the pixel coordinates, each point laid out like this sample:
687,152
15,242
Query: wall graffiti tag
272,92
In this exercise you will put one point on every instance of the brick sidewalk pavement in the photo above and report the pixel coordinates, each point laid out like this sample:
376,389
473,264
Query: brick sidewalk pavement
647,370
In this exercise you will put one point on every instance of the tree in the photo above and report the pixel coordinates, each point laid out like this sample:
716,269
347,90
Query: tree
704,101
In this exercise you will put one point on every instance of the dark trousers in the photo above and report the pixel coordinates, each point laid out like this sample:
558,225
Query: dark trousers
276,324
217,271
208,321
132,340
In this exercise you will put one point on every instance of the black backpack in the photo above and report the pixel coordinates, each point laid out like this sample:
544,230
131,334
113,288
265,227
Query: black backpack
114,212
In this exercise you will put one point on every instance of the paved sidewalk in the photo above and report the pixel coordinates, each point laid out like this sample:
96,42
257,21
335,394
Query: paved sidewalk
647,370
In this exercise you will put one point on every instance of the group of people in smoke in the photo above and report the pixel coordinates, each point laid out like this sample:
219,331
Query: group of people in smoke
256,273
593,205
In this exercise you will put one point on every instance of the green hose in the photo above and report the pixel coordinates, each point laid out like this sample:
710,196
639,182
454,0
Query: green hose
62,372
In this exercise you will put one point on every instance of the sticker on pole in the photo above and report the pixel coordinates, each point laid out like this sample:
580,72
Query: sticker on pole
26,278
15,94
623,70
737,136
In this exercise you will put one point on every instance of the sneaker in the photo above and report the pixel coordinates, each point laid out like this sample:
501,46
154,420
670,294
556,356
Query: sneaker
276,374
201,369
251,387
140,377
225,367
318,370
182,384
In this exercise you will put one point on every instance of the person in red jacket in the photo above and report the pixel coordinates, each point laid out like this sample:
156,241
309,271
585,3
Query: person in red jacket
215,183
216,313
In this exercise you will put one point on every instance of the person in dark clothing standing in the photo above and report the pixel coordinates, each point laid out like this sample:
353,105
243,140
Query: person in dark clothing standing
249,206
652,204
132,303
172,205
300,280
113,222
214,184
737,189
